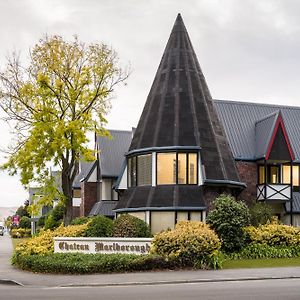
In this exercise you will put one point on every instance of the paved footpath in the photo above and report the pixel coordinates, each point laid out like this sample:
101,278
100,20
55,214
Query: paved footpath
12,275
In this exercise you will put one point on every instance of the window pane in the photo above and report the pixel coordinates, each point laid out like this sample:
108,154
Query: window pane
181,168
261,174
166,168
144,171
286,176
274,174
132,171
193,170
295,175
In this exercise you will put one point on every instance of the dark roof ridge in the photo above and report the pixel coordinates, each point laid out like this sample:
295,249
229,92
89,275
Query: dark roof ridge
275,113
257,103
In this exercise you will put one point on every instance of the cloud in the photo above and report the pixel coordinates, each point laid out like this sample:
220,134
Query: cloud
248,50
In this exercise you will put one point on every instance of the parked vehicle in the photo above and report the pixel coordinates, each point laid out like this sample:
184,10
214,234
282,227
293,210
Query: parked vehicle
1,230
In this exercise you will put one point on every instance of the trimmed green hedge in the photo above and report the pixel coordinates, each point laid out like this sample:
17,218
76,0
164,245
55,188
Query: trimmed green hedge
256,250
79,263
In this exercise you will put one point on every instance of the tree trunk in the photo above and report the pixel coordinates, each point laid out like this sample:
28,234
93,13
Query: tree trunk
67,191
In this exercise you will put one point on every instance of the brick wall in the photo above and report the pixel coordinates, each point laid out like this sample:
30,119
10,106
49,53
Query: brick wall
248,174
89,197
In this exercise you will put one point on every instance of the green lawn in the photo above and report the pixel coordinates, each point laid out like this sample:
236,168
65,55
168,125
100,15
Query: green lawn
262,263
15,242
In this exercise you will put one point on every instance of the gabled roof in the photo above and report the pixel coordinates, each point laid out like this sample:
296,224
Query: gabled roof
112,152
179,109
84,170
263,133
239,121
104,207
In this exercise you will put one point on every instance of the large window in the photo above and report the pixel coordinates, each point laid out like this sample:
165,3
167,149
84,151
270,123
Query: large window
177,168
278,174
166,168
140,170
286,175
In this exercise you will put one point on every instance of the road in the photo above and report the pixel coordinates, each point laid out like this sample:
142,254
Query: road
234,290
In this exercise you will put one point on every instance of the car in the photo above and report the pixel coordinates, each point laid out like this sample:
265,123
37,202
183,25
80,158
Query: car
1,230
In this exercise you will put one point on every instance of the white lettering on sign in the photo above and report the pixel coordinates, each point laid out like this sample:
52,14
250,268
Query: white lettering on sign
102,245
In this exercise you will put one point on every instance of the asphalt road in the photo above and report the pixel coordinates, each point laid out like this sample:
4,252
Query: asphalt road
234,290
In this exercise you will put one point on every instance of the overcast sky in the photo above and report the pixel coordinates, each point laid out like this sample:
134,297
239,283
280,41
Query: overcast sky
249,50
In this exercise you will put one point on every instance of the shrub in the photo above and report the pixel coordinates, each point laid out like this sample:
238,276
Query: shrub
43,243
260,213
257,251
20,233
192,243
99,226
274,234
50,223
41,221
130,226
228,219
80,220
55,217
25,222
79,263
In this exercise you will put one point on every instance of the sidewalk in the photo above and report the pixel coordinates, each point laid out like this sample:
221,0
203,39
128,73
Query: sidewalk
12,275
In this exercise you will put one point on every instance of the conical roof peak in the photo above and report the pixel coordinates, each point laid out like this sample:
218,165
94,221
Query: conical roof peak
179,109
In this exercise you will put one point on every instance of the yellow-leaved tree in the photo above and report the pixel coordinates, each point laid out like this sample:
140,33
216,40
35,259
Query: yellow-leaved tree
52,103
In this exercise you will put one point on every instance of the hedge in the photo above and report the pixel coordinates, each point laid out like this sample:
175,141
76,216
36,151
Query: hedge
79,263
256,251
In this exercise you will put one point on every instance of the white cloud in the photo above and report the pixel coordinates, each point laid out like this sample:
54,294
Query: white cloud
248,50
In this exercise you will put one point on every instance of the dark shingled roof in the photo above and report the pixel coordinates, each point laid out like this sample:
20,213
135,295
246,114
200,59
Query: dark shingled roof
179,110
85,168
104,207
163,196
239,119
112,152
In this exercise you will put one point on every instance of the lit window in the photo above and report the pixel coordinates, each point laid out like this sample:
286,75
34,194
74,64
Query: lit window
261,174
274,174
166,168
177,169
193,170
182,168
286,176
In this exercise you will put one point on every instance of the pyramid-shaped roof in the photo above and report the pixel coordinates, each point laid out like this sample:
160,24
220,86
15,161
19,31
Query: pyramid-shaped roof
179,110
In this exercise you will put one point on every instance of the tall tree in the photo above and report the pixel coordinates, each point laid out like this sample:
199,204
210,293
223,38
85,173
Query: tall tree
52,102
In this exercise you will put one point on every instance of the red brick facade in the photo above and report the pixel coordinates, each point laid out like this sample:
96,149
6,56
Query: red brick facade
248,174
88,196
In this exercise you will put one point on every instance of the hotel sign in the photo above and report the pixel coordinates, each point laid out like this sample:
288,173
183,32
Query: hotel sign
102,245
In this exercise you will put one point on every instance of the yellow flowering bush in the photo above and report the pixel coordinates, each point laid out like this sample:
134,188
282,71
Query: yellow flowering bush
274,234
20,233
190,242
44,244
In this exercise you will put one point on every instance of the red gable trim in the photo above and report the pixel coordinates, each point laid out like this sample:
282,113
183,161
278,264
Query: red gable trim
279,122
